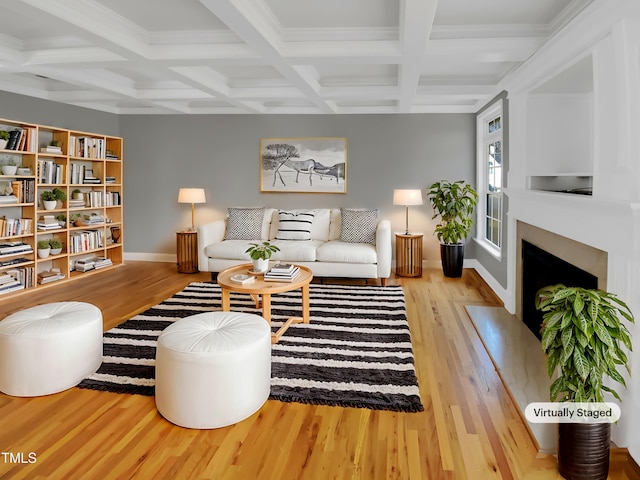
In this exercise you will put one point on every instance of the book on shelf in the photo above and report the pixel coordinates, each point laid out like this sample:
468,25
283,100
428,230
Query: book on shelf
14,261
102,262
8,199
242,279
49,276
51,149
13,248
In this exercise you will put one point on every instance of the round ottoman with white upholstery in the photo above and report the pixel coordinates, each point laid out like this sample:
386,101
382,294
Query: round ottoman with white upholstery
213,369
49,348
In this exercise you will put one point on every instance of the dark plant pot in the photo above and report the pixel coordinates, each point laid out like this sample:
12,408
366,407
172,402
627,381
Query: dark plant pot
452,256
583,450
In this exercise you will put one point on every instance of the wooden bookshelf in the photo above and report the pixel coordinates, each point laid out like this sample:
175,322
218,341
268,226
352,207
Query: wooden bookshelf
88,162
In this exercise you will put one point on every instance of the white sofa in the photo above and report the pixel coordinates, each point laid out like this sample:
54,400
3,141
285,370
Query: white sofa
325,254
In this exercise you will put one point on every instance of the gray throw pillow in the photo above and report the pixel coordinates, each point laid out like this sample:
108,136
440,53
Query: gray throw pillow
359,226
244,224
294,226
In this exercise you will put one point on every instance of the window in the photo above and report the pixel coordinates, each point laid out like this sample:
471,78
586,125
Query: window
490,171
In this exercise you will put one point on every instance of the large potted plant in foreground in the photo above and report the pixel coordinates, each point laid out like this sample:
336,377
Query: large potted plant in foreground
583,335
454,203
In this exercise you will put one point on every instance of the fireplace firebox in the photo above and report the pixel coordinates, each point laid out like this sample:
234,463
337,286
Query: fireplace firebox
539,269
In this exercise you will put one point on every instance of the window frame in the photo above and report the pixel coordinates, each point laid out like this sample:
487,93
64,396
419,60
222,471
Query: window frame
483,140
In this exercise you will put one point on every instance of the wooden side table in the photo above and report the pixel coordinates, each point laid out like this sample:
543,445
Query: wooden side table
187,251
409,254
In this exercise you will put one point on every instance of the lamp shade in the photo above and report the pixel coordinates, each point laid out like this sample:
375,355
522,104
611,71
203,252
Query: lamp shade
407,197
191,195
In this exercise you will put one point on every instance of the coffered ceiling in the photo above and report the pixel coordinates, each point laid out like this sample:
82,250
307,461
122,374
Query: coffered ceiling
271,56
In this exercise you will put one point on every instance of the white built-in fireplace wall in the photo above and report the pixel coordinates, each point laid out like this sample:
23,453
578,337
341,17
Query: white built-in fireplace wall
598,236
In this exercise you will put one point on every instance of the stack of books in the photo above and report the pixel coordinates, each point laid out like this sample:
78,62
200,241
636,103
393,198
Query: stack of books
84,265
282,272
48,222
48,277
13,248
51,149
9,284
102,262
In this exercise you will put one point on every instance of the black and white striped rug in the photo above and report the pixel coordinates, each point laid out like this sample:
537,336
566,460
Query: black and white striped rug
355,352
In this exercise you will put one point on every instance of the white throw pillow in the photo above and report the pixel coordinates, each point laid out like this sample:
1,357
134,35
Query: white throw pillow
294,225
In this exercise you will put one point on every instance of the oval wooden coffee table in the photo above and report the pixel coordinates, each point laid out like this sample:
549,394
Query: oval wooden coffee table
261,291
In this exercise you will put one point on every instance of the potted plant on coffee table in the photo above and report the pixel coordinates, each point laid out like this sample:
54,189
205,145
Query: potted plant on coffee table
454,203
583,335
260,254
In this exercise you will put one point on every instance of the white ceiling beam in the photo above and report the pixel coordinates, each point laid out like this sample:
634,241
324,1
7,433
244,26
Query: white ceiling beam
250,23
416,21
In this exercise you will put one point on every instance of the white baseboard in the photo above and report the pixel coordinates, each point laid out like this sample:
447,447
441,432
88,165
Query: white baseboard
151,257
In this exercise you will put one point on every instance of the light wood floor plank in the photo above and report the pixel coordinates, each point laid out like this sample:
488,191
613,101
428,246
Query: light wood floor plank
470,428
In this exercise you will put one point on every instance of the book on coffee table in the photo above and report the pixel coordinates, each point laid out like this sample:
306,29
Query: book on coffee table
276,276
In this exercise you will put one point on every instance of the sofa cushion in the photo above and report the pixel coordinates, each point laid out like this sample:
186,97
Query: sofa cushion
319,228
244,224
343,252
358,226
295,226
229,250
294,251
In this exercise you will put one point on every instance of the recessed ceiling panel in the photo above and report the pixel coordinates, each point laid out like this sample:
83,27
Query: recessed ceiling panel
335,13
495,12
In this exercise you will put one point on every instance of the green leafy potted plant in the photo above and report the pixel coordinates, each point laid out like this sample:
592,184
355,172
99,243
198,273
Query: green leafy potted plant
60,196
76,194
583,335
43,248
56,246
4,138
260,254
454,203
49,201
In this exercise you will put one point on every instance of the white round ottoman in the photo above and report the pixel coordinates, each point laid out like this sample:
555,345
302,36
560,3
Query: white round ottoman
213,369
49,348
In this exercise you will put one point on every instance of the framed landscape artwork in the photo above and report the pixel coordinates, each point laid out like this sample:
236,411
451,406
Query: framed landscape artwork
303,165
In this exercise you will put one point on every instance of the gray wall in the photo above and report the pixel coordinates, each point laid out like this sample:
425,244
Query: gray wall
221,154
45,112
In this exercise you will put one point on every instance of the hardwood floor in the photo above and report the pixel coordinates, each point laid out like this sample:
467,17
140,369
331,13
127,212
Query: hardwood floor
470,428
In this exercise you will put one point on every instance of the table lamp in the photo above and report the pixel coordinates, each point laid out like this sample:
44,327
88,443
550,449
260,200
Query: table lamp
192,196
407,198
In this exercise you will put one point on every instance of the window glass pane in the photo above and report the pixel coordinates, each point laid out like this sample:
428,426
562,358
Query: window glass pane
494,125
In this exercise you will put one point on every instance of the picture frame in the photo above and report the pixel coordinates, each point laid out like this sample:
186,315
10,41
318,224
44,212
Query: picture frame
303,165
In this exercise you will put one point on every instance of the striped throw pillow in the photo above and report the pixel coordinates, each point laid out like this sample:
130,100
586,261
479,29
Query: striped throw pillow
294,225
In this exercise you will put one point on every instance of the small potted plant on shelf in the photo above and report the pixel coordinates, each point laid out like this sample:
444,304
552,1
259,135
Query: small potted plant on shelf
62,220
260,254
49,201
454,203
4,138
56,246
43,248
60,196
583,335
9,167
76,194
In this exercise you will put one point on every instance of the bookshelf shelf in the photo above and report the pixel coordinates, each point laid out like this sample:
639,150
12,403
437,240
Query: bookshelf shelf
67,160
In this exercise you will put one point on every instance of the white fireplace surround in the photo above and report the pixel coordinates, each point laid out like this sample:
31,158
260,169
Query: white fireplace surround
574,112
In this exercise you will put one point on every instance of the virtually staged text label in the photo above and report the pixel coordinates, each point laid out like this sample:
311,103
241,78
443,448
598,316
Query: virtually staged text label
19,457
567,412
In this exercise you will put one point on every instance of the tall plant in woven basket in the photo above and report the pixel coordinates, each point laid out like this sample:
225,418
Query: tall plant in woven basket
585,339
